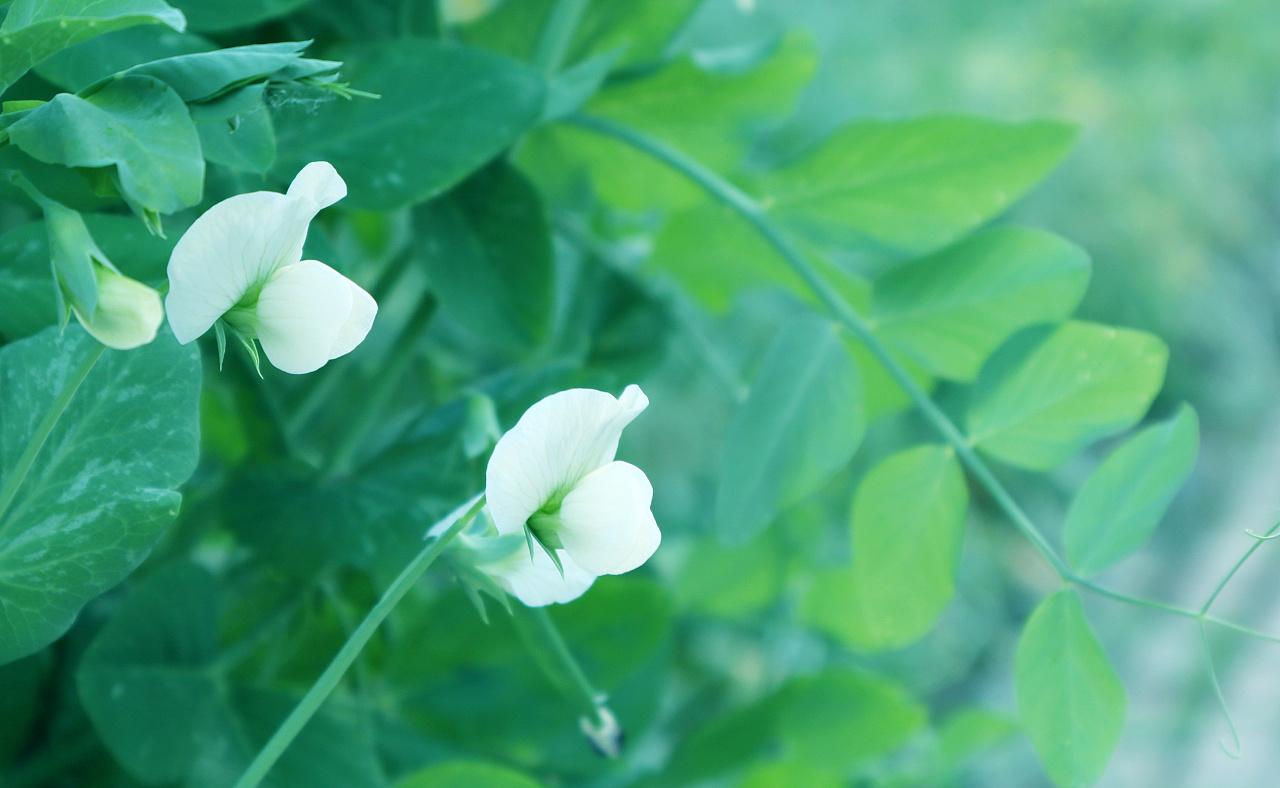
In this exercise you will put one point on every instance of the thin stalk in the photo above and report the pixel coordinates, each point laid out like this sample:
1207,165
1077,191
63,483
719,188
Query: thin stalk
342,661
23,467
557,35
579,686
747,208
1253,548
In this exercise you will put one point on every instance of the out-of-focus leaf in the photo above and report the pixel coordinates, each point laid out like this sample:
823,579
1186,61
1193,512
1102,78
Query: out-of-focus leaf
26,290
1052,390
573,87
1120,505
217,15
951,310
703,112
490,257
445,111
21,702
910,187
472,774
730,581
908,524
156,662
790,773
801,422
970,731
841,719
136,124
236,130
89,62
79,511
35,29
1070,699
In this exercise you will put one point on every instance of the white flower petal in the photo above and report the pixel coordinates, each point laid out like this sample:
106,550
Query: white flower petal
128,312
300,313
608,527
537,582
236,245
363,310
557,441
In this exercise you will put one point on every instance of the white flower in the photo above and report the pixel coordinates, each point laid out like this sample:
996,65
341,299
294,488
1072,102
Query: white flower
555,474
242,261
533,579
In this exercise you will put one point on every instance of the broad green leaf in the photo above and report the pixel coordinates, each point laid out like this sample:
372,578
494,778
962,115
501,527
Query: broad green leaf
908,525
473,774
201,76
952,309
702,111
490,259
89,62
787,774
35,29
90,454
1052,390
155,662
725,743
841,719
1121,503
137,124
445,111
1070,699
801,422
217,15
910,187
27,301
970,731
236,130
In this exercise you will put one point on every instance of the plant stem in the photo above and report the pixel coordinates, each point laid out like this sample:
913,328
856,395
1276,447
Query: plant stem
23,467
557,35
1253,548
579,686
342,661
746,207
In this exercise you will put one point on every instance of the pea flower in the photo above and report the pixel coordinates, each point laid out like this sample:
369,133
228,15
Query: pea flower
241,262
553,477
533,578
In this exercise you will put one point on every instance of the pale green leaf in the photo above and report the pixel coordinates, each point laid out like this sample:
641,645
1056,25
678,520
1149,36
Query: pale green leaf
908,525
952,309
1121,503
79,511
136,124
200,76
35,29
802,421
473,774
444,112
912,186
1070,699
1052,390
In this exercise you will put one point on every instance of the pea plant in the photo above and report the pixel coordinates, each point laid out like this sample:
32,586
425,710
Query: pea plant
575,426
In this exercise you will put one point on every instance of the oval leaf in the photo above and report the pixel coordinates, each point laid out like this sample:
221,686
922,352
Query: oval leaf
801,422
473,774
1120,505
951,310
1052,390
444,112
1070,699
81,509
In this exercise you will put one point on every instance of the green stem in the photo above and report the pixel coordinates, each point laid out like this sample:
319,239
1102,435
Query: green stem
23,467
1253,548
579,686
557,35
750,210
342,661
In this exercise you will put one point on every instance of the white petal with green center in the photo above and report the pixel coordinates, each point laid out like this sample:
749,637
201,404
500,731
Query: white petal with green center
306,315
606,521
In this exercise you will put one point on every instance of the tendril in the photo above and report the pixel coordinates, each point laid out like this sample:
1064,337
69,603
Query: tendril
1235,750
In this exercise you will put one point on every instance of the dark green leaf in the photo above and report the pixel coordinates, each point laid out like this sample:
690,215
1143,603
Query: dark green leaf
236,130
217,15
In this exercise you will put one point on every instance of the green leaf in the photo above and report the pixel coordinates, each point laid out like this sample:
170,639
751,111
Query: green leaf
951,310
89,62
801,422
490,259
27,302
138,124
908,526
1070,699
1052,390
35,29
970,731
217,15
473,774
90,454
236,130
910,187
704,112
445,111
200,76
1122,502
156,662
841,719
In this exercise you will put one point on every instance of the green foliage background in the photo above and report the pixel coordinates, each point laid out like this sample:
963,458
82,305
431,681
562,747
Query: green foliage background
837,598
